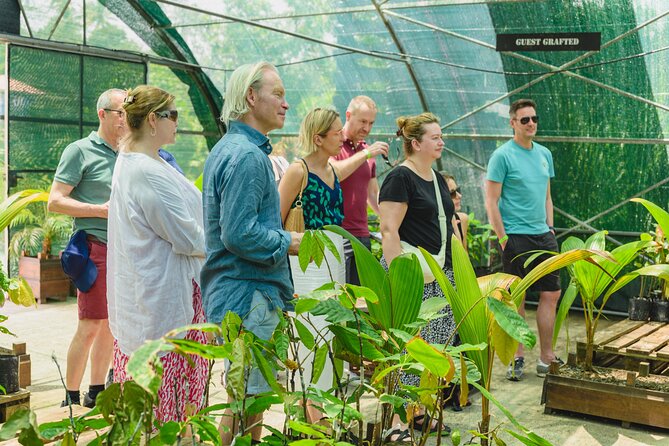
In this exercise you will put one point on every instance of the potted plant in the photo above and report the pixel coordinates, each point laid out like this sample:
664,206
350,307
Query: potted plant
482,247
657,253
38,233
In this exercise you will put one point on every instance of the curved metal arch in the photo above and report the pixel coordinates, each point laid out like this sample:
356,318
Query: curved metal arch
146,15
407,61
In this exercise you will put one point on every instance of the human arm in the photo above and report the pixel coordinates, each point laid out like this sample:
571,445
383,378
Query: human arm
373,194
243,187
493,192
349,165
549,208
289,187
61,202
391,214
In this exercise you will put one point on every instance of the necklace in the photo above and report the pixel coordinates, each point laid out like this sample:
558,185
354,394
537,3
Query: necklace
427,176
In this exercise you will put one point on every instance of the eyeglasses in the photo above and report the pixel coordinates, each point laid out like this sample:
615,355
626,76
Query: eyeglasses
455,192
172,115
526,119
121,113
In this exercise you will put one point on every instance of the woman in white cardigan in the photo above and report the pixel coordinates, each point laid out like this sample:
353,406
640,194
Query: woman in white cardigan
155,252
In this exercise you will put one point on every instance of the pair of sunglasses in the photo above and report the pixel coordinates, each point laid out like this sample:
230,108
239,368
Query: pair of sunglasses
526,119
172,115
455,192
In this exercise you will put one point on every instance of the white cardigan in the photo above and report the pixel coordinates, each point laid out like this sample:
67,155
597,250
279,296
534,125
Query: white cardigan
155,249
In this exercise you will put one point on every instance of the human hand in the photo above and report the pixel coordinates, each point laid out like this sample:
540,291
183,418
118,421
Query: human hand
295,241
378,148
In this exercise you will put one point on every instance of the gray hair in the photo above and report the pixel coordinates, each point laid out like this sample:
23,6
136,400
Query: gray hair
104,101
245,77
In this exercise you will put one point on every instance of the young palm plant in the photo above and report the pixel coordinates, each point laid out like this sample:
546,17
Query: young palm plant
486,312
596,279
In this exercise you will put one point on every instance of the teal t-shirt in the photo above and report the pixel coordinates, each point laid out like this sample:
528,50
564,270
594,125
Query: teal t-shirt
88,165
525,175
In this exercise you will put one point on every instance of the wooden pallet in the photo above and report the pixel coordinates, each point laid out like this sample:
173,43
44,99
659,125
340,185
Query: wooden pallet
634,342
13,402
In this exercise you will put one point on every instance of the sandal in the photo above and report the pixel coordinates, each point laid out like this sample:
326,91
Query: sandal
420,420
402,435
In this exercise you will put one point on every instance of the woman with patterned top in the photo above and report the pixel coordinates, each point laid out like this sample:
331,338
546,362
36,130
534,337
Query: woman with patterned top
322,204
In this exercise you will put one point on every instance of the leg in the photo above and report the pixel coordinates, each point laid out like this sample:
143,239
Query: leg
546,322
77,354
101,353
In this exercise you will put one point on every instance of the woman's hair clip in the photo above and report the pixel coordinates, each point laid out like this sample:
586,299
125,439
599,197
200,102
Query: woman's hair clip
399,133
129,99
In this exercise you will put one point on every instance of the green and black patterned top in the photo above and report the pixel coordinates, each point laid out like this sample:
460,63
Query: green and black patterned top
321,204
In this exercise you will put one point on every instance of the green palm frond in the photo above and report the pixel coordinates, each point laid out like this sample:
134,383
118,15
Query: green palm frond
28,239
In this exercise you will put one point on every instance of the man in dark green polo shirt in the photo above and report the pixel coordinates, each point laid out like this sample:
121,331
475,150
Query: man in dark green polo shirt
81,189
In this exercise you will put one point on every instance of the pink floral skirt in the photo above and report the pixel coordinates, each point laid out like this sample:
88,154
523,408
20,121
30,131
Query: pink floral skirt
183,384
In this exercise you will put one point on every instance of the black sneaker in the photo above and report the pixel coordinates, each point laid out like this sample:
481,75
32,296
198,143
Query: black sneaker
64,403
88,401
515,370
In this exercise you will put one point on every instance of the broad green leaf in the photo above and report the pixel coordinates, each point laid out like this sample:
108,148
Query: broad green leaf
21,293
329,244
437,362
317,249
305,250
352,342
505,346
239,361
511,322
245,440
432,307
406,290
145,366
547,266
469,310
15,203
303,304
320,357
281,345
363,292
661,271
333,311
393,400
304,333
261,403
660,215
563,311
169,432
305,428
24,423
230,326
266,370
372,275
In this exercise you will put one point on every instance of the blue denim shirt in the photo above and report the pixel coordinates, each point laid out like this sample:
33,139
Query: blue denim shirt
246,247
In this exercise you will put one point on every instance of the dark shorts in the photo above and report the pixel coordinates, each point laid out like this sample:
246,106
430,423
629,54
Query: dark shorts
351,270
93,303
513,261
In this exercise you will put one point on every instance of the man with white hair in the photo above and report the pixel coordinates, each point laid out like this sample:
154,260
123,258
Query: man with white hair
81,189
246,269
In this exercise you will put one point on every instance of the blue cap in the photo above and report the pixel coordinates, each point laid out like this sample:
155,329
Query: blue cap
77,263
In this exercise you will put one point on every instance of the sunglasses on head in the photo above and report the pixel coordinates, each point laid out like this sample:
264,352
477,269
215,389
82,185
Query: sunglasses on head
173,115
455,192
526,119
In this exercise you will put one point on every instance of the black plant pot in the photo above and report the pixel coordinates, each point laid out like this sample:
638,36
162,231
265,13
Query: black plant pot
638,309
659,311
9,373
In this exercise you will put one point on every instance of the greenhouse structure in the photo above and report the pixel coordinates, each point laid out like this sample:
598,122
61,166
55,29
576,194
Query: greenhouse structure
593,67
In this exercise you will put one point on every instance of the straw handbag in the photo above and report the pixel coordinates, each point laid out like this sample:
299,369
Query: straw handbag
295,218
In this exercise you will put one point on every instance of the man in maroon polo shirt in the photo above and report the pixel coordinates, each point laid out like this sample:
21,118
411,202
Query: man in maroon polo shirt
357,174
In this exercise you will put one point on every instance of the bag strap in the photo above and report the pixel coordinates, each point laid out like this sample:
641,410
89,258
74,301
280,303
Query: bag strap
442,214
305,178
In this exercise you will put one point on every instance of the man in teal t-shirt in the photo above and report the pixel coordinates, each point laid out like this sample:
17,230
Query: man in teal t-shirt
520,209
81,189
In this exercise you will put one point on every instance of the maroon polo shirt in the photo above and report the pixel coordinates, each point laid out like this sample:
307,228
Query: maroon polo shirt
354,189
